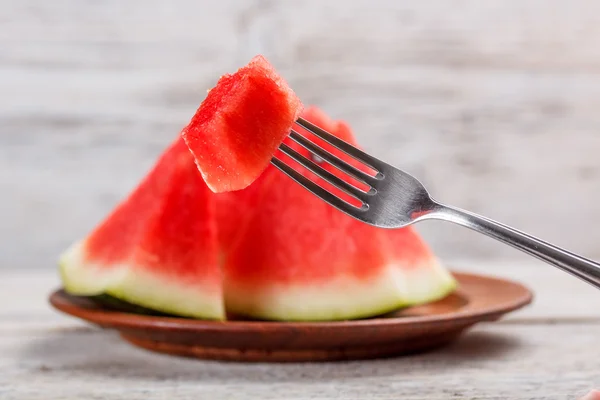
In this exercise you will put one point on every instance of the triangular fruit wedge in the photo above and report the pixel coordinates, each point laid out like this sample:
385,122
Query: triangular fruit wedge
158,249
298,258
238,127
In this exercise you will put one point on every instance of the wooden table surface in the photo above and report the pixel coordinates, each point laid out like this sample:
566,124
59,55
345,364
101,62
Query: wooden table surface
489,103
549,350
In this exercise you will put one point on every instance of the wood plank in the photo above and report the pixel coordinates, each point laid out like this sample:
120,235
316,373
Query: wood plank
558,296
492,362
471,98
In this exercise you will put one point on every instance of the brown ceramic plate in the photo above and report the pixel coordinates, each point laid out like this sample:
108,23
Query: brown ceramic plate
410,330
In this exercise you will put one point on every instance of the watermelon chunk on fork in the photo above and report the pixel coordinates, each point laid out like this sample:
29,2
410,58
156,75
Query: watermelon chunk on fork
241,123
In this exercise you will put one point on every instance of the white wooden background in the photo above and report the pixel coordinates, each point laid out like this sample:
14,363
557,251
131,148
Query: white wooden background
494,104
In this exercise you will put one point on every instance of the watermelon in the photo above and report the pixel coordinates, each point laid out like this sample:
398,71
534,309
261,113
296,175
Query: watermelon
158,249
298,258
269,250
239,125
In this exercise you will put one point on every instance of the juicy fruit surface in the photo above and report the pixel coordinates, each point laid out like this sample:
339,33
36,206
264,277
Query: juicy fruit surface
238,127
300,259
270,251
158,248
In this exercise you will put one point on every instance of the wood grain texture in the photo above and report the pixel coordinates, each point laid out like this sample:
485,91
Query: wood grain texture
542,352
491,362
492,104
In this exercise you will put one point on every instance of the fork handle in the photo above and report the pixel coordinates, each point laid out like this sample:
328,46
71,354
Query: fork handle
581,267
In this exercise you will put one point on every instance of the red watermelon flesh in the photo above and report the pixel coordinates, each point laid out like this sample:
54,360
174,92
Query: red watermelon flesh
235,209
270,251
300,259
158,249
238,127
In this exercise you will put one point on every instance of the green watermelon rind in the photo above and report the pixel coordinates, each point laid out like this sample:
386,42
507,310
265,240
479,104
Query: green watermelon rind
132,285
112,303
349,300
400,287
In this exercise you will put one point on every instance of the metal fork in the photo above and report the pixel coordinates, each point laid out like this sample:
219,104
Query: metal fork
396,199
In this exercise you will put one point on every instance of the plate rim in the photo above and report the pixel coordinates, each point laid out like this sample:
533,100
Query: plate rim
473,311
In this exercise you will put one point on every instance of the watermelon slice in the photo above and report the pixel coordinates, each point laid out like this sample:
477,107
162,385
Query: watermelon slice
297,258
270,250
238,127
158,249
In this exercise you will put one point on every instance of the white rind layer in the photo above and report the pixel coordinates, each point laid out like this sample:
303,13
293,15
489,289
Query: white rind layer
341,298
344,297
136,286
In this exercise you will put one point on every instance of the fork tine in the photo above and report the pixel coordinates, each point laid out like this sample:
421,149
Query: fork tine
333,160
343,146
318,190
328,176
